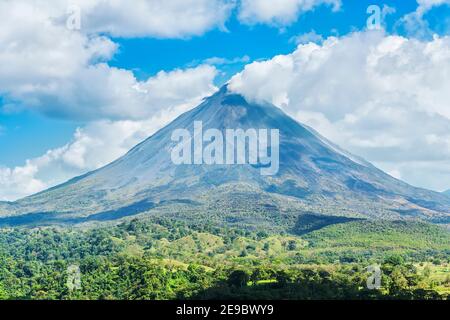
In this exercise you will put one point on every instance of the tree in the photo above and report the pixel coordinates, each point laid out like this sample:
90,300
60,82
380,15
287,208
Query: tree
238,278
292,245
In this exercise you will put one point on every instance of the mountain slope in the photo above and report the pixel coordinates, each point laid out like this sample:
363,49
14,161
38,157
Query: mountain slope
314,176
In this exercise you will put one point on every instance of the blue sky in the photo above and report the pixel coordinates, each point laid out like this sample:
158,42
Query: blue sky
27,132
27,135
147,56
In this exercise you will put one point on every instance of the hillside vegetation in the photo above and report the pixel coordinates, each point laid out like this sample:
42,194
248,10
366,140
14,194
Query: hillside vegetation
166,259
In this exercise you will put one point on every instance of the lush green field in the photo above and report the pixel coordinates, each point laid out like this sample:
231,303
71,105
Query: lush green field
166,259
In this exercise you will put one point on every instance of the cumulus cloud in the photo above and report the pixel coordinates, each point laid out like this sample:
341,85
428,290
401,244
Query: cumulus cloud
382,97
164,19
64,73
224,61
414,24
304,38
138,18
11,179
61,73
283,13
92,146
425,5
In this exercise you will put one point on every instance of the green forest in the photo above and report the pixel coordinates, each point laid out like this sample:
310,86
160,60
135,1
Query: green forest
168,259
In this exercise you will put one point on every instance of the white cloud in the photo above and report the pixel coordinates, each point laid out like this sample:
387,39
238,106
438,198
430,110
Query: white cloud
19,181
224,61
305,38
137,18
53,70
393,113
382,97
155,18
62,73
414,24
420,173
93,146
281,13
425,5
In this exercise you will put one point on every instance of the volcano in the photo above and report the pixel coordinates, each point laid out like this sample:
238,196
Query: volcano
315,177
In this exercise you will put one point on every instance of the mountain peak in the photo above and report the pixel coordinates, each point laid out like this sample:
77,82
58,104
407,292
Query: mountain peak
225,97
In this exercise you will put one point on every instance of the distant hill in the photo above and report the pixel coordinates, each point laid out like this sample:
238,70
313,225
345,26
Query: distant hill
315,177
